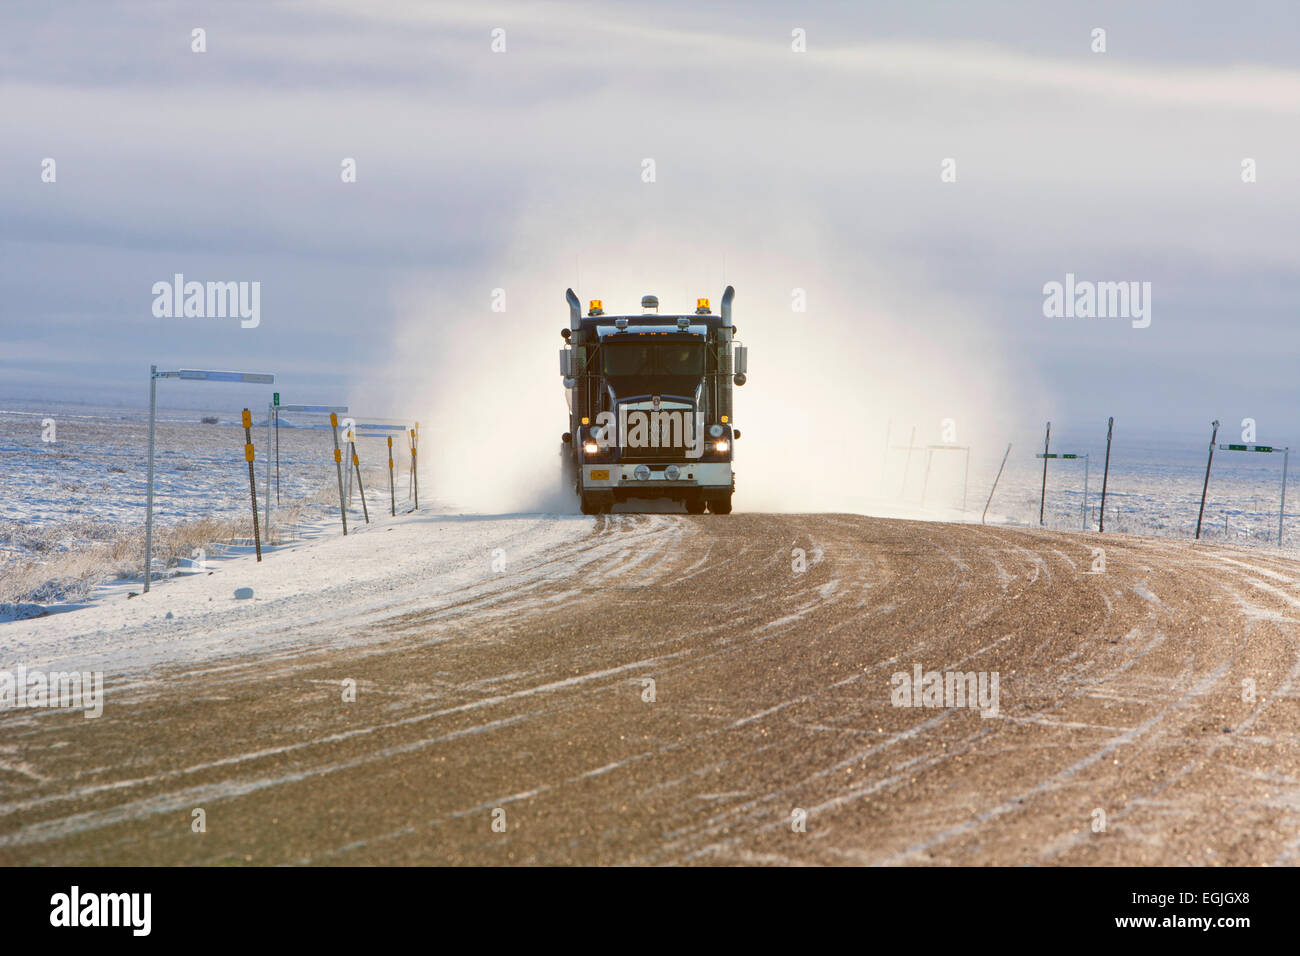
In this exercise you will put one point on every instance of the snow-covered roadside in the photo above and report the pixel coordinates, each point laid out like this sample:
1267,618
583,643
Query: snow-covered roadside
338,585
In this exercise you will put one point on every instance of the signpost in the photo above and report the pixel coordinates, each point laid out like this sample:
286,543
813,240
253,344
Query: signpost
1070,457
907,465
1265,449
910,447
1206,487
188,375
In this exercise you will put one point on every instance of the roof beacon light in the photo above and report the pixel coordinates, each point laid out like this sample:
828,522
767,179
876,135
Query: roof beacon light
701,306
620,324
597,307
650,303
683,322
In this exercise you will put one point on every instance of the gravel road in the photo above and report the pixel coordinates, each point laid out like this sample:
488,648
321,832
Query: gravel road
1147,713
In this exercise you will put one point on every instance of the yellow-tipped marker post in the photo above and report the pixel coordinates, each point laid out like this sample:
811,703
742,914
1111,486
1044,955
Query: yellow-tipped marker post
338,469
392,494
356,463
252,481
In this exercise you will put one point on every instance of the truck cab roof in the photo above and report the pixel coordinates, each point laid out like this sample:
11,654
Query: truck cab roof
602,325
610,331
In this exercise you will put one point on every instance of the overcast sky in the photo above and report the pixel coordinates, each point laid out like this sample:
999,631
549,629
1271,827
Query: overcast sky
775,170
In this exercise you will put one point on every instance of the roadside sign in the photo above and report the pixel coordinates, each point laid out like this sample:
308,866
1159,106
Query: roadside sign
1286,454
1068,456
189,375
1268,448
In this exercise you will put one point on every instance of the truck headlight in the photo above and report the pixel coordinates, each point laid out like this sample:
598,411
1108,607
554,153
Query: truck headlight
672,472
722,447
591,448
715,431
642,472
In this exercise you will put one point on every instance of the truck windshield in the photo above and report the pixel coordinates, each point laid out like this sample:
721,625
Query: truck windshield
635,358
685,358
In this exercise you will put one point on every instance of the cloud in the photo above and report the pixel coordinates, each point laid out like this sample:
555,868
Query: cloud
775,170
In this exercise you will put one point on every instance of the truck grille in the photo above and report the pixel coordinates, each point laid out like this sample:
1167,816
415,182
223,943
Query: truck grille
650,455
665,452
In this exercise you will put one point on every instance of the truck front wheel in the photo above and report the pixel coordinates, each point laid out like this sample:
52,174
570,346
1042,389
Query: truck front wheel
720,506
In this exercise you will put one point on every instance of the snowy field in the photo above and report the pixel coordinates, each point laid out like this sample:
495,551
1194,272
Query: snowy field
72,496
1154,488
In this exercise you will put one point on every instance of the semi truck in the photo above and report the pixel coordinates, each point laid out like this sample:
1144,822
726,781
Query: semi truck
650,404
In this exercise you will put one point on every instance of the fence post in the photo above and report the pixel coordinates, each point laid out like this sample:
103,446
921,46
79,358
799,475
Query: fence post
995,483
148,518
1286,453
1084,517
965,480
1042,501
1101,520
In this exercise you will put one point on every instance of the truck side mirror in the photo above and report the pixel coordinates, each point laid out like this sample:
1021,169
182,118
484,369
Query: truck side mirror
742,360
566,363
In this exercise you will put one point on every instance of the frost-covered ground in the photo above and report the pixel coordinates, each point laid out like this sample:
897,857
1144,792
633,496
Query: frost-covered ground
1154,489
95,464
336,585
73,488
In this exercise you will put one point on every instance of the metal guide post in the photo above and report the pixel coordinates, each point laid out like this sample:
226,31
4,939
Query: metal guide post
338,469
252,479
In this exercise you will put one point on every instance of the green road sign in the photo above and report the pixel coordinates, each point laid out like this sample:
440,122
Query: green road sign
1268,448
275,398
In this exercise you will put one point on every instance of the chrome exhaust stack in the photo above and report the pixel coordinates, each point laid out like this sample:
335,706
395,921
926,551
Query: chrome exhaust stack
724,356
575,310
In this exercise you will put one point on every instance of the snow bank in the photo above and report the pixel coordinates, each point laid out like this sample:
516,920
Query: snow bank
327,592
